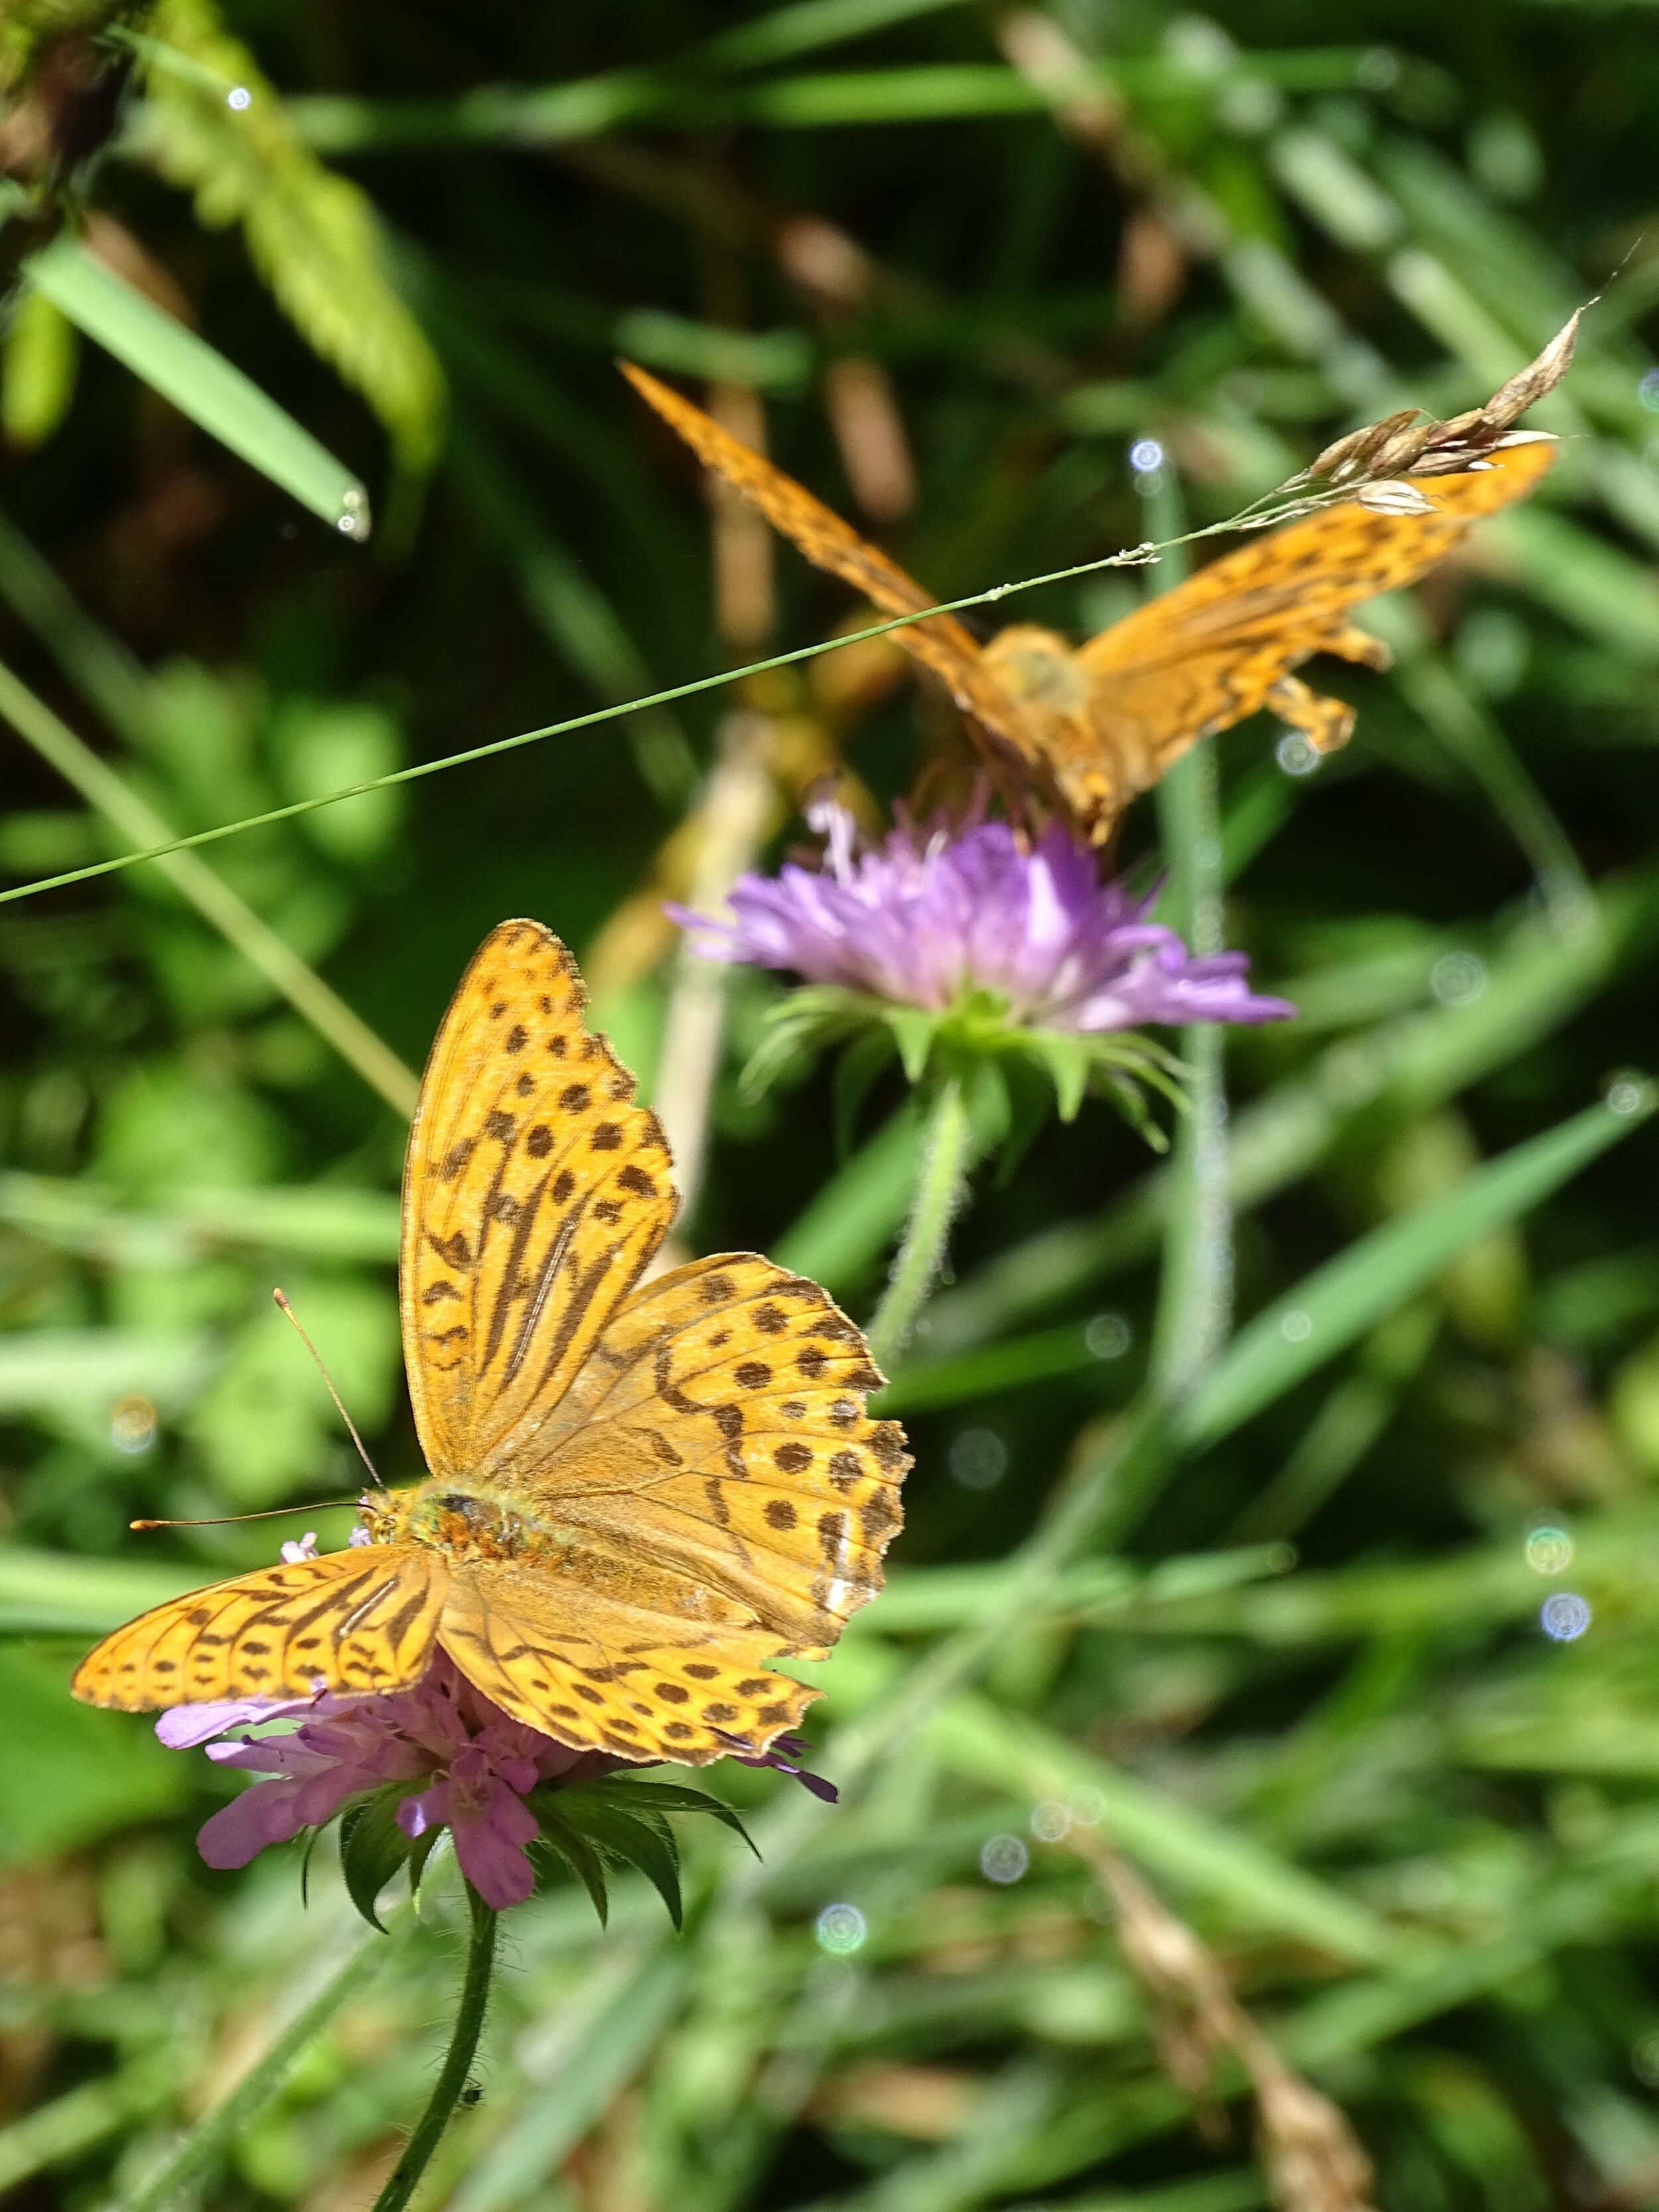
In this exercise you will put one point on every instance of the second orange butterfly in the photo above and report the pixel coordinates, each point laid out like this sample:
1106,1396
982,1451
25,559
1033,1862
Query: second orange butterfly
1092,727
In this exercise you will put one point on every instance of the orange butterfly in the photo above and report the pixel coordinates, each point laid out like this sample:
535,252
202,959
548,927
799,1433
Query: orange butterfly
639,1493
1094,726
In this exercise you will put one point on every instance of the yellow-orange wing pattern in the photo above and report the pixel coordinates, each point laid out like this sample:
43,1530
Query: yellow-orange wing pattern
535,1191
726,1499
360,1619
1197,659
602,1673
942,643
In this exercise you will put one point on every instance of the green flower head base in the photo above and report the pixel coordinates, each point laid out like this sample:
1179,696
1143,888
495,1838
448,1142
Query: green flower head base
967,941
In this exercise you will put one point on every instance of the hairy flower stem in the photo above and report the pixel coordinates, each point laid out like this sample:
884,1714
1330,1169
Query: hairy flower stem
1194,1305
940,1189
458,2061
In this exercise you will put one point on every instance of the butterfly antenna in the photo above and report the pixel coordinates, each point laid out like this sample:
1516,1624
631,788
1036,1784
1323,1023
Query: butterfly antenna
281,1297
224,1520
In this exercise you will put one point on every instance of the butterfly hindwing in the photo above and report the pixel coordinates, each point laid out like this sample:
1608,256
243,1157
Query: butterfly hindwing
535,1191
599,1672
359,1619
1192,662
724,1497
719,1426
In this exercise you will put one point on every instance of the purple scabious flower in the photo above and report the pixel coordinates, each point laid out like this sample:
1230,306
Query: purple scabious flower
468,1767
468,1764
933,914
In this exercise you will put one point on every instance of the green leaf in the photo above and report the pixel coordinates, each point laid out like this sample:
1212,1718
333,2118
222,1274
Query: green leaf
420,1851
857,1072
37,371
914,1029
314,236
662,1797
373,1847
642,1840
1132,1104
623,1821
800,1025
1067,1061
198,381
566,1841
1338,1302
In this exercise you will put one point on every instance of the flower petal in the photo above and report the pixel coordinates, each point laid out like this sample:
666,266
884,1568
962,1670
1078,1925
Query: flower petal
935,912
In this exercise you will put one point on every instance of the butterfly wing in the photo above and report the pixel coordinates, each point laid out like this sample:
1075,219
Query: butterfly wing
1201,658
716,1449
358,1619
941,643
600,1672
534,1193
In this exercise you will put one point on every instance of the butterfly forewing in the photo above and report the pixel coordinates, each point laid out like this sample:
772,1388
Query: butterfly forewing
1186,665
360,1619
941,643
534,1193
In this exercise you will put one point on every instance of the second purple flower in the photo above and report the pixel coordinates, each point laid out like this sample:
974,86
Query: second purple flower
931,913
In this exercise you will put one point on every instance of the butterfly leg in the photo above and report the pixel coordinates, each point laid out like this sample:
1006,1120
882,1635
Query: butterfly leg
1327,723
1352,643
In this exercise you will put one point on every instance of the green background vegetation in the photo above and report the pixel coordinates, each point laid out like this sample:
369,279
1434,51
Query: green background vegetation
1287,1652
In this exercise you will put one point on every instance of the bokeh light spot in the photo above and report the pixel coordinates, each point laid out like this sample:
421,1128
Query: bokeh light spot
1107,1336
1549,1551
839,1928
132,1424
1004,1858
1564,1616
978,1459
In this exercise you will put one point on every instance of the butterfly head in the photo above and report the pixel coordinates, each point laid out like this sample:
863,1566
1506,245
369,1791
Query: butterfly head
1039,668
1059,706
381,1517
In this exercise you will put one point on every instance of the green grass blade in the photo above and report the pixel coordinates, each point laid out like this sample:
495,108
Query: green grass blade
201,383
807,28
1195,1287
1173,1839
133,817
841,1236
1325,1313
57,1594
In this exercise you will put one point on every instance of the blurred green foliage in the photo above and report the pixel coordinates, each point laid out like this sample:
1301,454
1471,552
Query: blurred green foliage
1285,1649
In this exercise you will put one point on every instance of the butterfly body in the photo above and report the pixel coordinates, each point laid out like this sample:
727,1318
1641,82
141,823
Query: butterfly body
640,1492
1091,729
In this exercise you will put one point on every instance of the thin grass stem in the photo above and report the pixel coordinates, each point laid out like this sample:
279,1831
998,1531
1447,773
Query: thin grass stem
1195,1292
200,2151
1131,556
230,914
